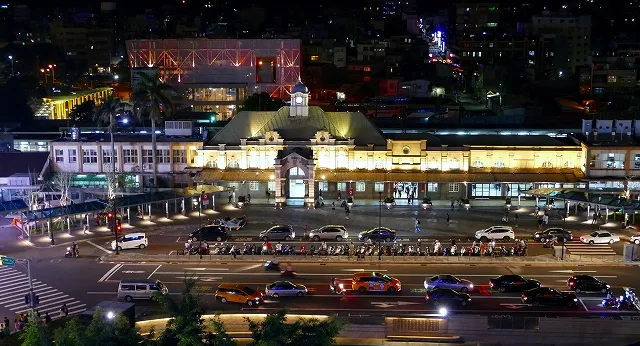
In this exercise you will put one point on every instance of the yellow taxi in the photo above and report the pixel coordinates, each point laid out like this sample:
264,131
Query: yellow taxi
242,294
374,282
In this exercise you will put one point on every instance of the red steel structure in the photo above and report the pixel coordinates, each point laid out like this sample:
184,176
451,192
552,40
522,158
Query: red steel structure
222,61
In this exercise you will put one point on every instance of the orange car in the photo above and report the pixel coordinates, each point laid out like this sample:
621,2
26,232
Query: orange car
374,282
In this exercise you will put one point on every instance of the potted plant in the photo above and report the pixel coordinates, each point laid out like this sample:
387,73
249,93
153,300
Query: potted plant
350,201
389,201
426,203
466,203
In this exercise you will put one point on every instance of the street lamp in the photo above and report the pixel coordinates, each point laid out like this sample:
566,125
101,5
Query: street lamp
380,209
53,73
45,74
11,58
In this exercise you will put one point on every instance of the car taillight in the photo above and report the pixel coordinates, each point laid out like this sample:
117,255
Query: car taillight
491,284
571,283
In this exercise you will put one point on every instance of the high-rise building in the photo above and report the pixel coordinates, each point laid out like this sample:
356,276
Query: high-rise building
562,42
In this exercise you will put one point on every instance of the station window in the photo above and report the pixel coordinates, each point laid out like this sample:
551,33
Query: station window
342,186
454,187
361,186
432,187
254,186
323,186
378,187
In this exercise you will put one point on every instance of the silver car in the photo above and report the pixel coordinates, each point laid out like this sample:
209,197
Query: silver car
279,232
329,232
448,281
284,289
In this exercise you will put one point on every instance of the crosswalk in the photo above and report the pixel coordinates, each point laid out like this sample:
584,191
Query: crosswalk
586,249
15,285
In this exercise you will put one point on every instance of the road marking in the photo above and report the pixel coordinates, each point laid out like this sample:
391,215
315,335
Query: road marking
210,279
514,306
361,270
133,272
198,269
252,267
110,273
99,247
569,271
584,306
178,240
150,275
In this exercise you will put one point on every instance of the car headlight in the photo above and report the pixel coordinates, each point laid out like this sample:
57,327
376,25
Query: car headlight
471,286
537,235
575,299
608,286
341,286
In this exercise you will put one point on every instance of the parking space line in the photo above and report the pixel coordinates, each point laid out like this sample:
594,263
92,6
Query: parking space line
584,306
178,240
110,273
150,275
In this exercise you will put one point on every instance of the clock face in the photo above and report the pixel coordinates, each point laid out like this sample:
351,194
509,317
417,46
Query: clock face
298,99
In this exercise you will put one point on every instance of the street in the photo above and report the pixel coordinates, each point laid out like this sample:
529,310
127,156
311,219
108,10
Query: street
83,282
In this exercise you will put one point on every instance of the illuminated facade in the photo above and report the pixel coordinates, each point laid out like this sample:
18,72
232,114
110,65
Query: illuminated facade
213,75
59,107
298,151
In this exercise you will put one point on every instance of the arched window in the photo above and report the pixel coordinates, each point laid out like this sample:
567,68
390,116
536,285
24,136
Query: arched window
212,164
477,164
296,172
271,157
547,164
380,164
433,164
233,163
569,164
343,161
454,164
499,164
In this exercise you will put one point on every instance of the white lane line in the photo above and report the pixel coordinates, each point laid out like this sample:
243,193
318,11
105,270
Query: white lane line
251,267
16,285
19,296
99,247
178,240
202,269
569,271
105,293
584,306
13,277
150,275
42,299
23,289
110,273
59,303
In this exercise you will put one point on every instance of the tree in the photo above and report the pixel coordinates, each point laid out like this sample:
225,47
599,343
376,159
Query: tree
186,327
101,331
152,99
83,111
219,337
275,331
262,102
62,183
35,334
106,113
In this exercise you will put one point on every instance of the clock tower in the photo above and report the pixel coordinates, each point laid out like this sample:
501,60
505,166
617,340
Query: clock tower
299,100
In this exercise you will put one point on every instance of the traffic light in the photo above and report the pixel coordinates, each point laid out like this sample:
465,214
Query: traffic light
31,299
36,300
118,226
109,215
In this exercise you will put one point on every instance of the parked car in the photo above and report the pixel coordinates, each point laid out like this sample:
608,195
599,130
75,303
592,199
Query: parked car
549,296
284,288
448,281
496,233
238,293
635,239
600,237
550,233
131,241
278,232
447,297
329,232
378,234
587,283
514,283
235,224
130,289
210,233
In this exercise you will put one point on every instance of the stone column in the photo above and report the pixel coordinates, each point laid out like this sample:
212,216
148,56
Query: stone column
311,186
280,197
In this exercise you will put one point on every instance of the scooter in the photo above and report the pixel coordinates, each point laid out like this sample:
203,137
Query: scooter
336,287
70,254
271,266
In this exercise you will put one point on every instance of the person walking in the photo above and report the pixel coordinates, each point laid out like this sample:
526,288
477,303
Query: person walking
452,205
248,198
230,197
339,196
64,311
448,217
347,211
417,225
47,318
516,219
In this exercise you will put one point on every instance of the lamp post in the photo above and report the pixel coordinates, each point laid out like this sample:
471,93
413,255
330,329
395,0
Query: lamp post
45,74
115,217
53,73
11,58
380,209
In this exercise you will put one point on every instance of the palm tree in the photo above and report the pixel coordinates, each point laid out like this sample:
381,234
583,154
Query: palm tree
152,97
106,114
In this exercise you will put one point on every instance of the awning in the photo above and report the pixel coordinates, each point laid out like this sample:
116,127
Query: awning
210,175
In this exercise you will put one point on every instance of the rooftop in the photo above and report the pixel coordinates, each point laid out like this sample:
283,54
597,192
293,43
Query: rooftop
130,137
514,140
73,95
22,162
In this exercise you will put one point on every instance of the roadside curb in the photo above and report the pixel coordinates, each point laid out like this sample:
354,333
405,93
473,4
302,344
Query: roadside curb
535,261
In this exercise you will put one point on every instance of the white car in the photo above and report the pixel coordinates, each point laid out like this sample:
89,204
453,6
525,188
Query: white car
496,233
635,239
131,241
600,237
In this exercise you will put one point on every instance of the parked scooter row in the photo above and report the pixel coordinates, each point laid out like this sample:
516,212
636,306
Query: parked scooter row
628,301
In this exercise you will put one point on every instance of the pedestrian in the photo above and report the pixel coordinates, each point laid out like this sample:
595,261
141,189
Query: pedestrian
248,198
333,206
16,326
85,229
516,218
6,330
417,225
6,321
347,211
64,312
268,194
595,217
339,196
545,219
448,216
230,197
452,206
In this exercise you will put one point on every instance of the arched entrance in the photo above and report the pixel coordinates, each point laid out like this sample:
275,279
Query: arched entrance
297,186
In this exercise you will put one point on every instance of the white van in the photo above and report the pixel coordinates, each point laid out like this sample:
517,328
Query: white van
130,289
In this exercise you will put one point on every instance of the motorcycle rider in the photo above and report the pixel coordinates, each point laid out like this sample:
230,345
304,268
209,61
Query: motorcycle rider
278,249
75,250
